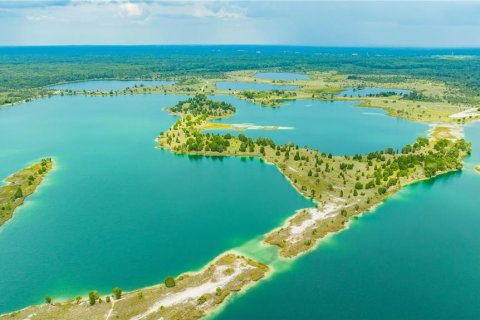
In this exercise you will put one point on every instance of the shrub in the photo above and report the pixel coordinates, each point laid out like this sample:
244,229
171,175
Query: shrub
169,282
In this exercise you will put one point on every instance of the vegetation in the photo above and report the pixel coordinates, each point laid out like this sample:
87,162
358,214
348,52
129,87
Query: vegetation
20,185
199,104
442,86
169,282
117,292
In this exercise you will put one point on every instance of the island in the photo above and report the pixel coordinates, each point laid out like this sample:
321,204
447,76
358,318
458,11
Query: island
20,185
188,296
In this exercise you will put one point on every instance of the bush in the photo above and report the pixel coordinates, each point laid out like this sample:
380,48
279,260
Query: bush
169,282
48,300
117,292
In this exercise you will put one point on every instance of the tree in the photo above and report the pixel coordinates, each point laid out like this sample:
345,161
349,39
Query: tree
92,297
78,299
169,282
48,300
18,193
117,292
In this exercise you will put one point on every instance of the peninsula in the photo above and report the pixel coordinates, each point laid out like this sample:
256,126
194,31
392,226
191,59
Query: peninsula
188,296
341,186
20,185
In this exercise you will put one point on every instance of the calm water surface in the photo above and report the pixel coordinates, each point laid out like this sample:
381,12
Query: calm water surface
415,257
116,211
337,127
281,76
242,86
363,92
107,85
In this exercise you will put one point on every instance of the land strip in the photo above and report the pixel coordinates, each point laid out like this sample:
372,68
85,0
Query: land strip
20,185
188,296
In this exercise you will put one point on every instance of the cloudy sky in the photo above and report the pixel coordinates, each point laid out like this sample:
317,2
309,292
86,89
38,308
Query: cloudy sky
317,23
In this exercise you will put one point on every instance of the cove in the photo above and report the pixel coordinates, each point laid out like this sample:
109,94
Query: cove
108,85
363,92
116,211
281,76
242,86
414,257
339,127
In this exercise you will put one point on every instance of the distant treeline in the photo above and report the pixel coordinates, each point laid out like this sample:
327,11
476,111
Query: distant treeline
33,67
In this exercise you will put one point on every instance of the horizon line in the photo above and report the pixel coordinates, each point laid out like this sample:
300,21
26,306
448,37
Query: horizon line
244,45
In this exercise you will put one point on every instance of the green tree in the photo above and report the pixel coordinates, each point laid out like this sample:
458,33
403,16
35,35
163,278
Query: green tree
18,193
117,292
48,300
92,297
169,282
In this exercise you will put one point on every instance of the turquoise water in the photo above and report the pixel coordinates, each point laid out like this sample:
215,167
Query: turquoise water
336,127
281,76
116,211
242,86
107,85
415,257
363,92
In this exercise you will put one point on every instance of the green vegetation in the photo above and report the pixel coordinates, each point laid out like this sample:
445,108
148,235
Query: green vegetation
441,86
199,104
169,282
117,292
20,185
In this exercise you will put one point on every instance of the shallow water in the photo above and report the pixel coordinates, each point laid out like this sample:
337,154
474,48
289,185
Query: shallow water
281,76
242,86
415,257
363,92
108,85
338,127
116,211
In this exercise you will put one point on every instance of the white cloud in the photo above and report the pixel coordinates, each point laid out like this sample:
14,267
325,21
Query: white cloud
130,9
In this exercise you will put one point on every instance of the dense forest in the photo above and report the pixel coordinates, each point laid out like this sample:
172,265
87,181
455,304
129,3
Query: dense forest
33,67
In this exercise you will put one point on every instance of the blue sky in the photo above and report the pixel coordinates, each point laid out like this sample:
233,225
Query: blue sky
317,23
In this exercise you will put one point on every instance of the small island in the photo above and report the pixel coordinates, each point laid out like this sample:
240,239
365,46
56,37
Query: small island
477,168
20,185
188,296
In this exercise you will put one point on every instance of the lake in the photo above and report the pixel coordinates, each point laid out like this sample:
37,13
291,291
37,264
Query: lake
363,92
339,127
286,76
243,86
108,85
116,211
415,257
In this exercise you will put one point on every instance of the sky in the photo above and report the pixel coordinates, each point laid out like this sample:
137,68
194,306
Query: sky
281,22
